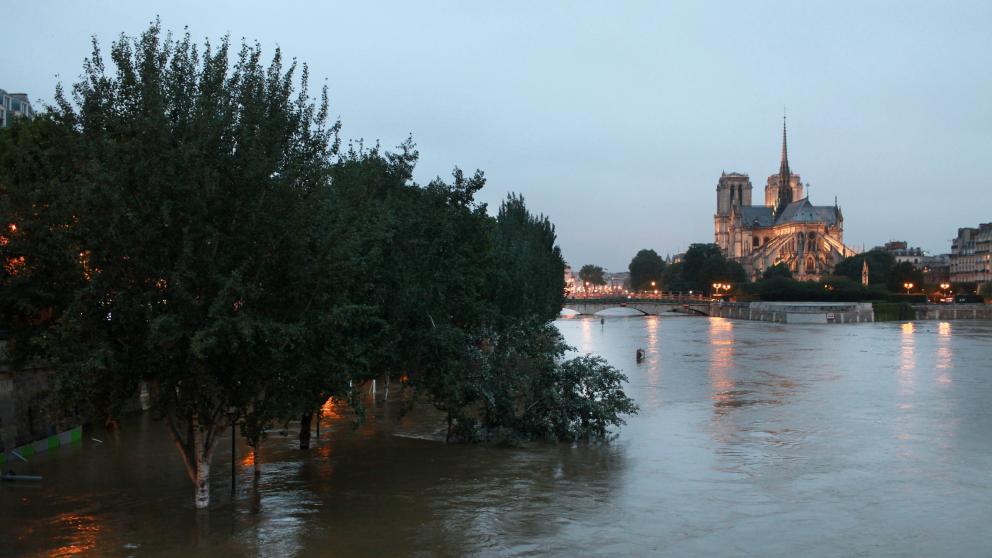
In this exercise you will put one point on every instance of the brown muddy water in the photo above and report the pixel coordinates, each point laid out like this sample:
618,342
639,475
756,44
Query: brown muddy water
754,439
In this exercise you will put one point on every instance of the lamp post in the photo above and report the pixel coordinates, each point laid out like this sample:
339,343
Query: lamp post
232,412
717,287
908,286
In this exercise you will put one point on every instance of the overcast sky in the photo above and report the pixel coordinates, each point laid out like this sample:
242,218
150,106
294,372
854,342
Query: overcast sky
616,118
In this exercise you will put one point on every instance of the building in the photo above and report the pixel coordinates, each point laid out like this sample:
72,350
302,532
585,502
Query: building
618,281
903,252
13,105
787,229
936,269
970,255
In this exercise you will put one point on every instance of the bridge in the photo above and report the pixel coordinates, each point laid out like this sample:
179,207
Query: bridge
649,306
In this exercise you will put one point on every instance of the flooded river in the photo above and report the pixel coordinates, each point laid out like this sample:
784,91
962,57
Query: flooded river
754,439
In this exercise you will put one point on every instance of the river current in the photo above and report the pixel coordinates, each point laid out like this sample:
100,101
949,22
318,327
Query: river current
753,439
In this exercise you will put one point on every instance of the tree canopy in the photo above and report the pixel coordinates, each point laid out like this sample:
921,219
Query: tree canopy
701,266
187,220
592,274
778,270
646,268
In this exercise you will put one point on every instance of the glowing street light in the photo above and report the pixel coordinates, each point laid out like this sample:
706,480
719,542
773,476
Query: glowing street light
717,287
908,287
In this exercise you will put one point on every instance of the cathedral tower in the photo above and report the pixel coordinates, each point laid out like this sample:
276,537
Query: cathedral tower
733,190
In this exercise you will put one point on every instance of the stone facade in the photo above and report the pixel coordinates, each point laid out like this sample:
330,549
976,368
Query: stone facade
971,252
787,229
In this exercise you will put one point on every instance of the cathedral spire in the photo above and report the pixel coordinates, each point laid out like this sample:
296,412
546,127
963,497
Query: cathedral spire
784,165
784,176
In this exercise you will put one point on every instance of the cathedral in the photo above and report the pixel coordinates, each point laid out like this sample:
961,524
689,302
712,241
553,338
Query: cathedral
788,229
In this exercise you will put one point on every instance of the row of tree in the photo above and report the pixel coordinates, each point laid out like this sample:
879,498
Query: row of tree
188,221
697,270
702,265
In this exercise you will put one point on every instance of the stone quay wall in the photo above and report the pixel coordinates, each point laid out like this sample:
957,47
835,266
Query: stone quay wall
796,312
953,311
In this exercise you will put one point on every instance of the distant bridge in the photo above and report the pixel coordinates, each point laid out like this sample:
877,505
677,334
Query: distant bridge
647,306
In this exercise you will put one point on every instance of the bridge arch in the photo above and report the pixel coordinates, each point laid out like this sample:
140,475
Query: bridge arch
594,309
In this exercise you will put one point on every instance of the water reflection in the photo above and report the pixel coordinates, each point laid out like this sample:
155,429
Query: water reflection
79,534
721,342
651,323
907,356
944,353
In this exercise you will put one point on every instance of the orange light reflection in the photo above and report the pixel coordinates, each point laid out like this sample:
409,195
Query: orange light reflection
81,537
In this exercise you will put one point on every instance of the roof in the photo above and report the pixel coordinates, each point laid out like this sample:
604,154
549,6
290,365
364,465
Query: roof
756,216
804,212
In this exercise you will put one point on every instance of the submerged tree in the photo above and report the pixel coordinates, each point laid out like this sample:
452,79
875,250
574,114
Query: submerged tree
186,222
192,183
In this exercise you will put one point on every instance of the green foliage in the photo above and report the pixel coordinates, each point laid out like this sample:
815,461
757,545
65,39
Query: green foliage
592,274
581,399
902,273
187,190
777,270
880,264
646,267
831,289
701,266
187,219
529,270
527,390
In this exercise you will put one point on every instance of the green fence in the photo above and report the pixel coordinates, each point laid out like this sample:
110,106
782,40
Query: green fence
28,451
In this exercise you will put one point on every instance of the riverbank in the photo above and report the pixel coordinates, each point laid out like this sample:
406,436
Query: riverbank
847,312
796,312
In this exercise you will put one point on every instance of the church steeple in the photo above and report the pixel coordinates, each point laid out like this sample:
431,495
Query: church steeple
784,176
783,168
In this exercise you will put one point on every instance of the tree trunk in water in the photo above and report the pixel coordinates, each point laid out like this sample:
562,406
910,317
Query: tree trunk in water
256,462
144,397
196,446
305,430
202,481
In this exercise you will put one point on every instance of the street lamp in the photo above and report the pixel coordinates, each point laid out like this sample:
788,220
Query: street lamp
717,287
945,286
908,287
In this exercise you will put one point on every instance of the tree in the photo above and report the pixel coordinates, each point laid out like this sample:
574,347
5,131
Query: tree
904,273
191,185
777,270
646,268
191,223
592,274
702,265
529,270
880,264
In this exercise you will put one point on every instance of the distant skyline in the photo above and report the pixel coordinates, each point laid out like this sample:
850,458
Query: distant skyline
617,120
